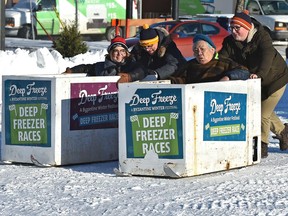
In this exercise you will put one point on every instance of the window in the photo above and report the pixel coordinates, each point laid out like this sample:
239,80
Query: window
274,7
25,4
209,29
253,8
191,28
48,4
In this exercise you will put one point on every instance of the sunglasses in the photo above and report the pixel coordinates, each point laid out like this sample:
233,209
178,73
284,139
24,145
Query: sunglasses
236,28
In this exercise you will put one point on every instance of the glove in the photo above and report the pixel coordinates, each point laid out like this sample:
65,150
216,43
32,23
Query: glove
68,71
124,78
152,72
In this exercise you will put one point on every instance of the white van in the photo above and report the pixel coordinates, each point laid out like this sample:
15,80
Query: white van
272,14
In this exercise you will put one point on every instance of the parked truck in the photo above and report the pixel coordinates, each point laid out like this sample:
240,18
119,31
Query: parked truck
273,14
32,18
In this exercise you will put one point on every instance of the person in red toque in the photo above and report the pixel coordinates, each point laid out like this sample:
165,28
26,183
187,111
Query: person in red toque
251,46
118,62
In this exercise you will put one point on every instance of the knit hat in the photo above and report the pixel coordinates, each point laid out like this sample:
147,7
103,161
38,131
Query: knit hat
148,36
203,37
117,41
242,19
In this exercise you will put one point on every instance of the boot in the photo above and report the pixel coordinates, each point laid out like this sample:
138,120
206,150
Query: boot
283,138
264,150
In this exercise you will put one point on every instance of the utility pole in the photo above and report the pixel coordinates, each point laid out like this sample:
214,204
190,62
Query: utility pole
129,15
2,25
175,9
76,13
32,20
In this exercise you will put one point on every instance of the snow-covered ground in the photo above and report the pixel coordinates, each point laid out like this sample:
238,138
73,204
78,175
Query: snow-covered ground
93,189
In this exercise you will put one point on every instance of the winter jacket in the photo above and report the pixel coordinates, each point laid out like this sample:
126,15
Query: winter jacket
165,61
194,72
260,57
110,68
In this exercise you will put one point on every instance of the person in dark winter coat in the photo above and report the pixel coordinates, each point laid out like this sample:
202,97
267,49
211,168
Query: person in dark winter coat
157,52
118,62
206,67
251,45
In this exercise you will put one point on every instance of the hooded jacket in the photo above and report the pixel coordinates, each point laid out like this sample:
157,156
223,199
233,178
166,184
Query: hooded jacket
260,57
165,61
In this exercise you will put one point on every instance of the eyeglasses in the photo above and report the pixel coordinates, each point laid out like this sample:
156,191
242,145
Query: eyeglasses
236,28
119,52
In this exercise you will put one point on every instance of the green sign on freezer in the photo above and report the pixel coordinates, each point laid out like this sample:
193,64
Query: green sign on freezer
28,112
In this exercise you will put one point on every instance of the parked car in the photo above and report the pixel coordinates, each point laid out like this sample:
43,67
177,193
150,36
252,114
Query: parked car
183,31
